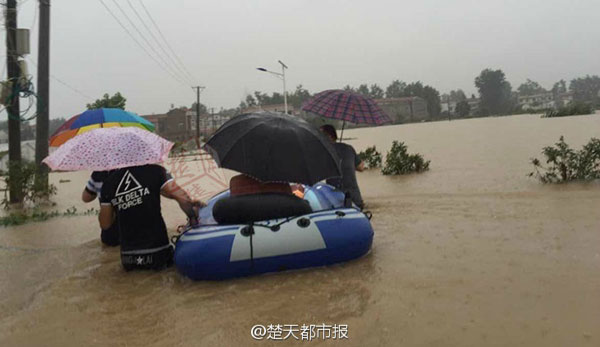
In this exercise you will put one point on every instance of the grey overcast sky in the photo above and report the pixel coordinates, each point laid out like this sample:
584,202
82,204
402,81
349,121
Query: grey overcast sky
326,44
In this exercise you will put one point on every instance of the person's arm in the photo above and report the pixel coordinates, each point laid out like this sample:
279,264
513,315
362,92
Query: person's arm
88,196
358,164
172,191
106,217
91,190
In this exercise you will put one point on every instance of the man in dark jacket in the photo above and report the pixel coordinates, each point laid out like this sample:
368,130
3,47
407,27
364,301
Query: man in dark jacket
350,163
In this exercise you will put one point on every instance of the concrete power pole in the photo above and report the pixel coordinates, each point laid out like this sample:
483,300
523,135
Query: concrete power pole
198,90
13,109
43,85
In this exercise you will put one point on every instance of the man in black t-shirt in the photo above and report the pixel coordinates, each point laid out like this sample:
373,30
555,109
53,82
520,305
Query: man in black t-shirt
350,163
132,195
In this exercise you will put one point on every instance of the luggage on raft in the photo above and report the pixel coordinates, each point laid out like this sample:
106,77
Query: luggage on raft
326,233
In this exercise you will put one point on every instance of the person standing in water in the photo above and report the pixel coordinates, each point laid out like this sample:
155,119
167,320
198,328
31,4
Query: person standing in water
130,197
110,236
350,163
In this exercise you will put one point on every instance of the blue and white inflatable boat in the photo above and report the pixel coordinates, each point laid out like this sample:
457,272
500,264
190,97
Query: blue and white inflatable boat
330,234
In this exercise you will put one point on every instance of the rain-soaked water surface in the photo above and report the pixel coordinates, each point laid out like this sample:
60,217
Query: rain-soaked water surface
471,253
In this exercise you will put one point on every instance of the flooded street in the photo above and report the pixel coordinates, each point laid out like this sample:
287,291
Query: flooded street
471,253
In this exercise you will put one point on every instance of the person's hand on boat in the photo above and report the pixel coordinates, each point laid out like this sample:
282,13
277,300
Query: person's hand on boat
198,204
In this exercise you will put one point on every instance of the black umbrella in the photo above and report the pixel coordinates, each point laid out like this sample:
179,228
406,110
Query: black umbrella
274,147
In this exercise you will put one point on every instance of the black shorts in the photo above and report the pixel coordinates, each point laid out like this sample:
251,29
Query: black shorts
140,260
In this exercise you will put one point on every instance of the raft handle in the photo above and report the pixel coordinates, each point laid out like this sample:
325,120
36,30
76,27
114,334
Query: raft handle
247,230
340,213
275,228
368,214
303,222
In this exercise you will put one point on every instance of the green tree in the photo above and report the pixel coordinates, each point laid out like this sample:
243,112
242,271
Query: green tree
376,92
363,89
115,101
348,88
274,99
494,92
203,109
395,89
299,96
463,108
586,89
260,97
530,88
559,88
430,94
457,95
250,101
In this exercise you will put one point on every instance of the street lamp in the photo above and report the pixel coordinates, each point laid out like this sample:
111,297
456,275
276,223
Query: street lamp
282,76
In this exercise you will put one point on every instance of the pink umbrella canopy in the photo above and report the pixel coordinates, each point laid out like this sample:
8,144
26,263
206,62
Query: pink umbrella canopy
108,149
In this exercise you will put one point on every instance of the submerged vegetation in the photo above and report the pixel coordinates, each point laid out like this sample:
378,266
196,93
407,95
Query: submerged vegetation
399,162
22,178
572,109
37,215
371,157
566,164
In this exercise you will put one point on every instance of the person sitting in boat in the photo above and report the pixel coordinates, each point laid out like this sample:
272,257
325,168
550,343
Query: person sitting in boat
131,196
244,184
251,200
350,163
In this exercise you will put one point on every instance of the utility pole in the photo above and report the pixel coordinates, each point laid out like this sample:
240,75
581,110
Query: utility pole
198,90
43,100
13,109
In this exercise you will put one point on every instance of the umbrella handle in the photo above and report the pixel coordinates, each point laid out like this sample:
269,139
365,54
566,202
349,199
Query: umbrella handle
342,134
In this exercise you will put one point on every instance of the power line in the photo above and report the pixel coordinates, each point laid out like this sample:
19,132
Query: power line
144,38
161,46
138,43
164,39
65,84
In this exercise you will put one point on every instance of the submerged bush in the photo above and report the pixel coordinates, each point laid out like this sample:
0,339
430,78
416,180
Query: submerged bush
572,109
22,175
566,164
399,162
36,215
371,157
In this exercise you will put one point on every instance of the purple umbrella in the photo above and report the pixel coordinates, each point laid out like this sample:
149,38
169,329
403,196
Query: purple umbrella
346,106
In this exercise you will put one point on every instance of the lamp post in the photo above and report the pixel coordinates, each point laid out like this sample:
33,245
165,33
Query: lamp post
282,76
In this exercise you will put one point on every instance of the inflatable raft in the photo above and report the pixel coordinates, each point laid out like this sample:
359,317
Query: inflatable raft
329,234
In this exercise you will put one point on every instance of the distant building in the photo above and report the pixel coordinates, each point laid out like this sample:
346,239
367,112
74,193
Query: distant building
564,98
405,110
473,105
449,106
175,125
270,108
537,101
27,153
208,123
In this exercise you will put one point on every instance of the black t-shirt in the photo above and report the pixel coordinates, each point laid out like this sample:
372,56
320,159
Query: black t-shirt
134,193
349,163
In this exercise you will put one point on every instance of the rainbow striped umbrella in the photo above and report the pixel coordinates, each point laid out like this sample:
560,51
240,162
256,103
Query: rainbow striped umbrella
98,118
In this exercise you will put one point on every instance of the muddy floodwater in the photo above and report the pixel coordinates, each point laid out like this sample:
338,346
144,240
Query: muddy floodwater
471,253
